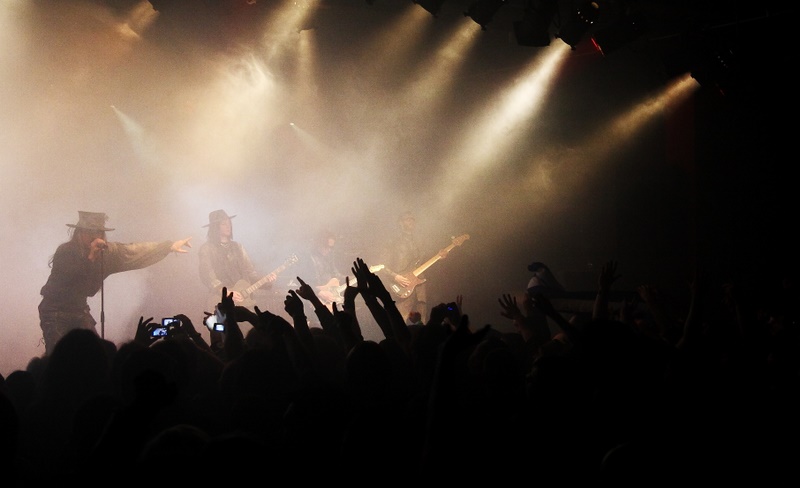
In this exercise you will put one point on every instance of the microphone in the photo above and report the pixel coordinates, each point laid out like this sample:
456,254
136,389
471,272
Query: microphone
102,246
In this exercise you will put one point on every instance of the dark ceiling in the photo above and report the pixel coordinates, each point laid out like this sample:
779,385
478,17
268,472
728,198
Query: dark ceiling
727,42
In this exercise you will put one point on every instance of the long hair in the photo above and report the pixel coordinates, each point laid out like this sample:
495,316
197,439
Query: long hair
74,234
213,232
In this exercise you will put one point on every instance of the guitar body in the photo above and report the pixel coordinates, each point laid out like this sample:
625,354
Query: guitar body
241,286
246,289
404,292
337,289
331,287
247,297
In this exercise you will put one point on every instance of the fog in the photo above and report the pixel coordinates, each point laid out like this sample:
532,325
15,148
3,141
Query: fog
329,127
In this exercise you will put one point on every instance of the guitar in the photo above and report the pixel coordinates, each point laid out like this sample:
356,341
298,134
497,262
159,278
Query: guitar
405,291
335,288
246,289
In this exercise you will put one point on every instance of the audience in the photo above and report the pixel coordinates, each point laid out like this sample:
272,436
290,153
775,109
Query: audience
651,392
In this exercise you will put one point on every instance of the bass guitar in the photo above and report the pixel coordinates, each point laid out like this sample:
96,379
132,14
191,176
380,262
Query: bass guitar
337,290
405,291
246,289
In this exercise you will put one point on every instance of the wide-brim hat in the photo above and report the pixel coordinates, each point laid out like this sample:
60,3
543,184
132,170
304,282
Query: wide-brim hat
91,221
218,216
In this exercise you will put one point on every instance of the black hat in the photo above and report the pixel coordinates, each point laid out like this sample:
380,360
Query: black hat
91,221
217,216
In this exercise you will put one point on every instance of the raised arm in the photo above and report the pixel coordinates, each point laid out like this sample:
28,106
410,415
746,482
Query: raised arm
397,325
293,305
234,339
608,275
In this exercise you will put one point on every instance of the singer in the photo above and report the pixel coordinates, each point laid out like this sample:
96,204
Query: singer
78,268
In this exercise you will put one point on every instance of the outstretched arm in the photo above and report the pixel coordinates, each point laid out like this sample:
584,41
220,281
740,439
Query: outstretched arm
182,245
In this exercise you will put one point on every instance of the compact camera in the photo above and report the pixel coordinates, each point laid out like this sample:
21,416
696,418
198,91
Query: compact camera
163,330
159,331
216,321
170,322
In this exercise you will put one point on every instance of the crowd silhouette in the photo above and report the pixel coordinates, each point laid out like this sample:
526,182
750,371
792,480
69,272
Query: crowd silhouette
643,390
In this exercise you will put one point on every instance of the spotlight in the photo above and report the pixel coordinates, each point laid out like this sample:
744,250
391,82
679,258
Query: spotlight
432,6
482,11
580,21
534,28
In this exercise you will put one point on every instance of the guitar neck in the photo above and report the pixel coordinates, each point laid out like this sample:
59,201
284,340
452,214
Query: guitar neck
258,284
255,286
427,264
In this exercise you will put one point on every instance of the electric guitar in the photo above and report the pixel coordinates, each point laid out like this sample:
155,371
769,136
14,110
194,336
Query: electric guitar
336,289
246,289
405,291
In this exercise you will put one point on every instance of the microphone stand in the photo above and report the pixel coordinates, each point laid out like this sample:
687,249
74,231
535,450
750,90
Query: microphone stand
102,295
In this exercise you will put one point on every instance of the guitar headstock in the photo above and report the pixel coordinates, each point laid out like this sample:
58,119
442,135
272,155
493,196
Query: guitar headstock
457,241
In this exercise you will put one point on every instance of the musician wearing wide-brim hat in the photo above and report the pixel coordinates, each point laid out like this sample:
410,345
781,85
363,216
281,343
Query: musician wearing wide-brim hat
78,268
224,262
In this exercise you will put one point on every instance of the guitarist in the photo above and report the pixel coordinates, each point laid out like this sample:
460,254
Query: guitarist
320,270
223,263
401,256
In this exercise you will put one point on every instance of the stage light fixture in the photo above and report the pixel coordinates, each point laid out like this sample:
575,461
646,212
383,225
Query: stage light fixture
482,11
579,23
161,5
624,30
432,6
715,65
534,28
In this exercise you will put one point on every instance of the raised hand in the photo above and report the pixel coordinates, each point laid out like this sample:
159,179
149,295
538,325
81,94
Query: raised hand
361,273
608,275
305,291
186,326
226,305
509,307
373,283
350,292
143,331
293,304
